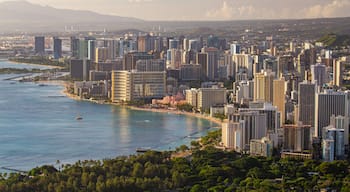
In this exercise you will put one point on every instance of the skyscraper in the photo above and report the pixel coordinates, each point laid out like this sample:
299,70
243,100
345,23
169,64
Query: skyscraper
243,64
251,124
101,54
130,59
212,62
79,69
74,47
263,86
91,50
57,48
235,48
318,73
341,122
297,138
145,43
202,59
231,135
285,65
135,85
306,103
329,103
39,45
338,68
278,98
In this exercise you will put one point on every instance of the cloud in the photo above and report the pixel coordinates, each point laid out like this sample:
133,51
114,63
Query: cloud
230,11
335,8
224,12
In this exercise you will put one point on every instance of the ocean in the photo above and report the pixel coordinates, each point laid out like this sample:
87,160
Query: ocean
38,126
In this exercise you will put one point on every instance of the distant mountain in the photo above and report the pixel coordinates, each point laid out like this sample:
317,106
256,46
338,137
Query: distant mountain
21,15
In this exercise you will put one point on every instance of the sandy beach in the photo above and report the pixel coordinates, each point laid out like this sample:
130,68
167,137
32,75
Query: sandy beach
161,110
198,115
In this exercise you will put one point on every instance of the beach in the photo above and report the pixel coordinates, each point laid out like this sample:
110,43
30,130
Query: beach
157,110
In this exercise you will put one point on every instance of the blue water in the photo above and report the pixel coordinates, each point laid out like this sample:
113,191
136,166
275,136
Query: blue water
38,126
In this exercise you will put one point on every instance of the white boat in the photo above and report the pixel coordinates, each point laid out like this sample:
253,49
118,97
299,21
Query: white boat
78,118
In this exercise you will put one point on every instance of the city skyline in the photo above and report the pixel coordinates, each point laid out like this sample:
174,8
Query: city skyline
208,10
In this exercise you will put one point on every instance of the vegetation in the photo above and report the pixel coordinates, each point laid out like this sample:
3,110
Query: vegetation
208,169
40,60
185,107
220,116
137,103
334,40
19,71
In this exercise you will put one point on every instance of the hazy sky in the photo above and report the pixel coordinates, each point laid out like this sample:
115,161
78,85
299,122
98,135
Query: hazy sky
208,9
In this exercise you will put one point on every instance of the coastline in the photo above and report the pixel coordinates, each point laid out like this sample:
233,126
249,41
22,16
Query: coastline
33,64
191,114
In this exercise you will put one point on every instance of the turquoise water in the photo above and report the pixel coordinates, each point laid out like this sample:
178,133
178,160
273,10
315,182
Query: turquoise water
38,126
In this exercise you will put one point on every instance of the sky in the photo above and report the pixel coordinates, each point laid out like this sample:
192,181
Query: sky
208,9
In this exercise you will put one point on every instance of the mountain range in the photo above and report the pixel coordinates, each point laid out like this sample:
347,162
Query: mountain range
22,15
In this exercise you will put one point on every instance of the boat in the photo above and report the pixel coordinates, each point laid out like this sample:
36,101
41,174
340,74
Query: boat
41,85
78,118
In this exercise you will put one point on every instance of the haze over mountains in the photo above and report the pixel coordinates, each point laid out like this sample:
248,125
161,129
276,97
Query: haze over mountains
22,15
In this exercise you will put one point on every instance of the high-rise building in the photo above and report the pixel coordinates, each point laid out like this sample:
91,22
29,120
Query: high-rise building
39,45
173,44
328,150
208,97
341,122
285,65
252,125
261,147
134,85
329,103
263,86
145,43
202,59
231,135
244,91
57,48
92,50
191,97
235,48
130,59
194,45
243,64
272,115
333,143
175,59
113,48
79,69
74,47
297,138
318,74
150,65
186,44
279,97
83,50
212,62
190,72
306,103
101,54
338,68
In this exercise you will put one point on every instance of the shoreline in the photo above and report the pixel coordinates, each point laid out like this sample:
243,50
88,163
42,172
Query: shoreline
177,112
34,64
